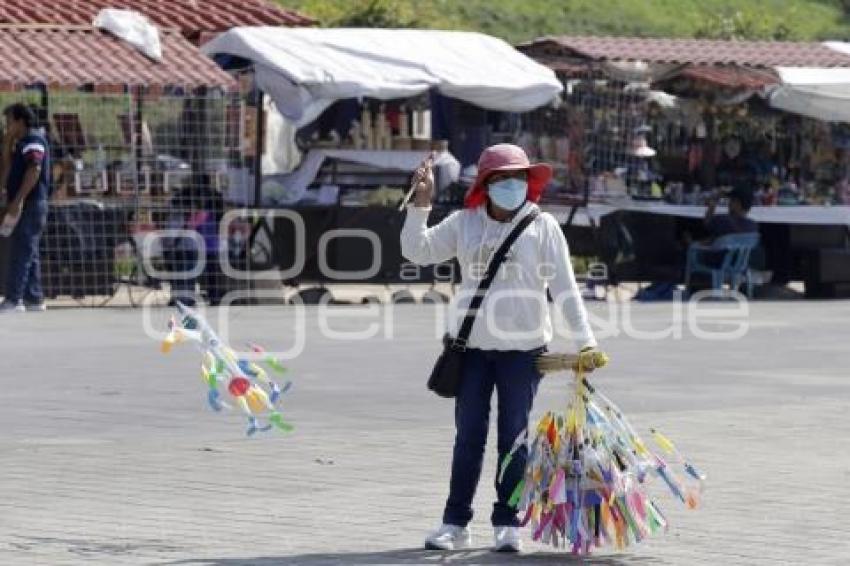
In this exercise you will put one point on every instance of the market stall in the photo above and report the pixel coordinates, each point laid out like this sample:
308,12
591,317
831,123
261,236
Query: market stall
142,127
361,108
656,128
131,127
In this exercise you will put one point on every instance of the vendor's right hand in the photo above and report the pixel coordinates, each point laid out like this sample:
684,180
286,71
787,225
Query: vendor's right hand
423,182
591,358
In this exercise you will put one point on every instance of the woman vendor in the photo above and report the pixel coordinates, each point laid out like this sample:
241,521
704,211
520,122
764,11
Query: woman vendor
513,324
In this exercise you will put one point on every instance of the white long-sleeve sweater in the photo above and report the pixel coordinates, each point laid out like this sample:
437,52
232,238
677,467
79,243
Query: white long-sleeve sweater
514,314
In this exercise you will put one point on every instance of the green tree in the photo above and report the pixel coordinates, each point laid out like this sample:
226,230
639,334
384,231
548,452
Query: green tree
440,14
517,21
742,25
375,14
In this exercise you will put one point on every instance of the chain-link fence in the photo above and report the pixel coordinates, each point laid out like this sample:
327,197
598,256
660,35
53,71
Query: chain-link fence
594,137
138,191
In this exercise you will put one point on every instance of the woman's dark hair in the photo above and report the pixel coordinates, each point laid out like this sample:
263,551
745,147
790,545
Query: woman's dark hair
20,111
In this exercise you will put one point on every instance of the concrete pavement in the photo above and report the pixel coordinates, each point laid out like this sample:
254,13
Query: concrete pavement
108,454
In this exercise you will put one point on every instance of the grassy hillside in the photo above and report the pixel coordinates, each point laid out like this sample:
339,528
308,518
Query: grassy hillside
518,20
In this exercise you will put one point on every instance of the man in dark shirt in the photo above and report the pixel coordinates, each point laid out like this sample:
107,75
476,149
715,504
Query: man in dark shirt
27,190
736,222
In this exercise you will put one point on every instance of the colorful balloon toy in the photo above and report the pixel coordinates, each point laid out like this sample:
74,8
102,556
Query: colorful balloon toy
247,384
587,470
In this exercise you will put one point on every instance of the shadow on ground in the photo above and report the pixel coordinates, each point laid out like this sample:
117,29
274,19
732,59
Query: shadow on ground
424,557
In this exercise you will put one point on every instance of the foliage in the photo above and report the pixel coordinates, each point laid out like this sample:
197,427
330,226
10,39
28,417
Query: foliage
518,21
743,25
375,14
379,13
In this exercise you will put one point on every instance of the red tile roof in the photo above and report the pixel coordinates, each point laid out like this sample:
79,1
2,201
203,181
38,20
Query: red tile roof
74,56
760,54
569,67
731,77
192,17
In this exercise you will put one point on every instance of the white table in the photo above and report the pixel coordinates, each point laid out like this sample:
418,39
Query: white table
800,214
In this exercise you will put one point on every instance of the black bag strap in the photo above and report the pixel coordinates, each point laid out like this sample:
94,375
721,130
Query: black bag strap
498,258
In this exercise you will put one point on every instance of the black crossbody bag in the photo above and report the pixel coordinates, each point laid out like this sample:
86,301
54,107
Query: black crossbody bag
446,375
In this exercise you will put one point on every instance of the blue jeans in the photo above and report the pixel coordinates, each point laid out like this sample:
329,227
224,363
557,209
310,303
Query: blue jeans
23,280
513,375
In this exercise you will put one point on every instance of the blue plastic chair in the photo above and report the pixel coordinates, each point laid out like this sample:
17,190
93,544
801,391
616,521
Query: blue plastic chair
735,266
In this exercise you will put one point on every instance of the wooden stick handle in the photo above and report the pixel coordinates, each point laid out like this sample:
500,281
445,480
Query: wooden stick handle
551,363
427,163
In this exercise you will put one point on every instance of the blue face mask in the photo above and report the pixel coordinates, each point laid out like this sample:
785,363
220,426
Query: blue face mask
508,194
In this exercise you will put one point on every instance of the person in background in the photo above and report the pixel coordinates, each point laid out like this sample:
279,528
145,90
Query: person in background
719,225
27,177
199,207
515,325
842,176
736,221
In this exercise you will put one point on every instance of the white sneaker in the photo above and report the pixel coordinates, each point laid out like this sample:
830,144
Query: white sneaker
449,537
506,539
7,307
35,307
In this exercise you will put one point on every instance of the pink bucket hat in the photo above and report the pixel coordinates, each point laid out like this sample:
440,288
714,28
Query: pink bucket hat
507,157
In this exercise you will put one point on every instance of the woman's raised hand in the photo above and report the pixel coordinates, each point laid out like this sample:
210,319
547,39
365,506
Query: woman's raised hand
423,182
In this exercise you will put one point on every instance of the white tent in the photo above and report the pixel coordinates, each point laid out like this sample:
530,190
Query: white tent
821,93
818,92
305,70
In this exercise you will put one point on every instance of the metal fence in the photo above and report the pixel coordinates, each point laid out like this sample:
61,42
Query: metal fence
590,136
139,184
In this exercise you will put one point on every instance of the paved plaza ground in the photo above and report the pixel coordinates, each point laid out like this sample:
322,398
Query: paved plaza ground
109,455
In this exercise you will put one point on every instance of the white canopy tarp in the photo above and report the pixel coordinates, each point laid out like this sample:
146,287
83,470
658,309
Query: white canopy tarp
132,27
305,70
821,93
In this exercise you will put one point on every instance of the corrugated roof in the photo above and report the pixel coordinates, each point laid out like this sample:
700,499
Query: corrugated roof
74,56
731,77
762,54
192,17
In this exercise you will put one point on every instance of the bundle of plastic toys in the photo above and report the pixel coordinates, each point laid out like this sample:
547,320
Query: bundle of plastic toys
585,480
248,384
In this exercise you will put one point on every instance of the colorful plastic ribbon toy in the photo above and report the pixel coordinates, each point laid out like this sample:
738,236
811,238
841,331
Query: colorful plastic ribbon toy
248,384
587,470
